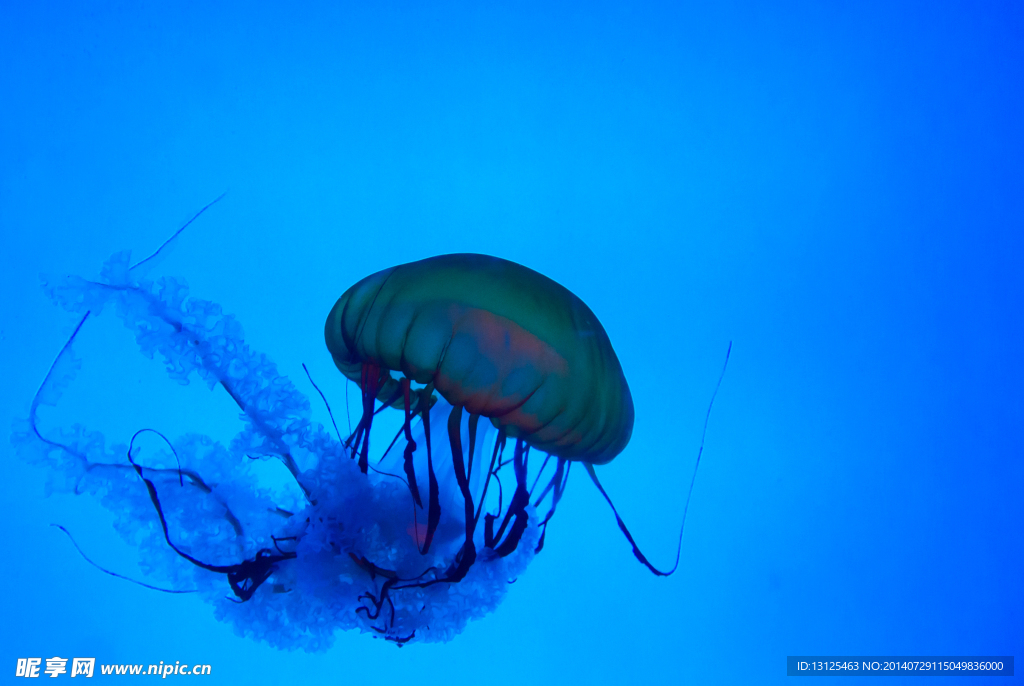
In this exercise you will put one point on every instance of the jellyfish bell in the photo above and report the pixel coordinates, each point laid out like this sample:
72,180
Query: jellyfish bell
502,380
496,338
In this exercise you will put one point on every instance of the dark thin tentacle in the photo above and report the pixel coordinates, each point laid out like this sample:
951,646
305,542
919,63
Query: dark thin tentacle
348,410
539,474
33,419
176,233
516,459
517,506
131,444
244,577
324,398
390,446
499,445
410,445
622,525
396,476
467,555
559,481
703,435
360,440
433,498
474,420
390,401
115,574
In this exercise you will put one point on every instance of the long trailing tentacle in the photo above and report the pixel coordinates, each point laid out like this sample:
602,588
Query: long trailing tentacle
37,399
433,495
516,514
184,226
410,444
194,478
324,398
467,555
244,577
115,574
177,461
558,483
499,447
622,525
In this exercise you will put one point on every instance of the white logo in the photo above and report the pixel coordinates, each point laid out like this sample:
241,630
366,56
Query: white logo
28,667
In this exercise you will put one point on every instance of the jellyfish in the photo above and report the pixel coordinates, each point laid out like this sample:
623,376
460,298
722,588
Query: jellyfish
500,380
499,342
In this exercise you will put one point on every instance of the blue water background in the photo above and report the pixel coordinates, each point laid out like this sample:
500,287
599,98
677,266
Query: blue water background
837,188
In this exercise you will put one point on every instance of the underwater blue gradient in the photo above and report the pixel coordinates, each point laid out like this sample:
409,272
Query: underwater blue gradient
837,189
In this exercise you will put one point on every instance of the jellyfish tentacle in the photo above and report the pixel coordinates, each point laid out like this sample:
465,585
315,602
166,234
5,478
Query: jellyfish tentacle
700,451
324,398
51,383
213,348
166,440
244,577
540,473
559,481
499,446
377,601
551,483
174,235
194,478
474,421
516,507
305,548
391,399
492,537
433,496
516,512
115,574
371,383
467,555
629,537
410,444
